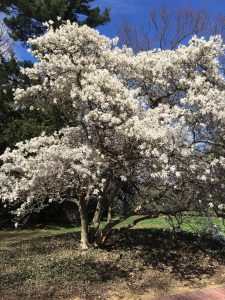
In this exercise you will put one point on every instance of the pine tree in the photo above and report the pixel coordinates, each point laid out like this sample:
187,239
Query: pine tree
25,17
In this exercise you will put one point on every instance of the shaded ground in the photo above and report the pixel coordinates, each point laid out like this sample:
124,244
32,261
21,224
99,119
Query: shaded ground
135,262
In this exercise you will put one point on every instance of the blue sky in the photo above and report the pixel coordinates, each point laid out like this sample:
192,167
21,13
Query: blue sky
137,11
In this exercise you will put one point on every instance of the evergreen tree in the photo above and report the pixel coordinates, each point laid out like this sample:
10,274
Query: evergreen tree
25,17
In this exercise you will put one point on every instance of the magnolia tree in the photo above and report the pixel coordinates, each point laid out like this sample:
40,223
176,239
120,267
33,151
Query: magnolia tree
190,78
135,120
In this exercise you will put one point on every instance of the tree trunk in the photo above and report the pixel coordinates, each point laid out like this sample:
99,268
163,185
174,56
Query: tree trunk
109,218
84,225
98,214
94,230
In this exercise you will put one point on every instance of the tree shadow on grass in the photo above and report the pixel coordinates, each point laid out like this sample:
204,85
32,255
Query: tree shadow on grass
42,245
52,265
187,255
54,260
69,269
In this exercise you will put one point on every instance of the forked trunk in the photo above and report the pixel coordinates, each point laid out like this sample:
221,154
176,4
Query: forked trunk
100,236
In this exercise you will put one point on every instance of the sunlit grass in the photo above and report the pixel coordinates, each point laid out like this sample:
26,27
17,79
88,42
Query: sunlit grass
27,234
190,224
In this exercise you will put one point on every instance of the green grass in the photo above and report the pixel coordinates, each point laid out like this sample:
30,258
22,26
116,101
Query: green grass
27,234
190,224
150,223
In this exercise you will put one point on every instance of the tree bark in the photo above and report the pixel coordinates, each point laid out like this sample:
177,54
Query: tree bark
109,217
98,214
84,225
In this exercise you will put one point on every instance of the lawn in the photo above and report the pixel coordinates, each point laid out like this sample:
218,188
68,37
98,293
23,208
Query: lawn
9,236
190,224
53,267
47,263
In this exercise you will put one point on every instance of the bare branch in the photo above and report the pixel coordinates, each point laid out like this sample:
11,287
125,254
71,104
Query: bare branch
166,28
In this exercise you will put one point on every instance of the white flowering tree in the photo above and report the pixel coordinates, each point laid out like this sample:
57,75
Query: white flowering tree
132,119
190,78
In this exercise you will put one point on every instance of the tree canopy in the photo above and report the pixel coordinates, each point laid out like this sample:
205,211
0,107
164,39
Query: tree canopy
144,120
25,18
22,20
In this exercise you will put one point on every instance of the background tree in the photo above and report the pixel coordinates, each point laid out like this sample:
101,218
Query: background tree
25,18
168,27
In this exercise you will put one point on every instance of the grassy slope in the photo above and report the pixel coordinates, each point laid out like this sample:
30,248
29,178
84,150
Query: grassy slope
190,225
